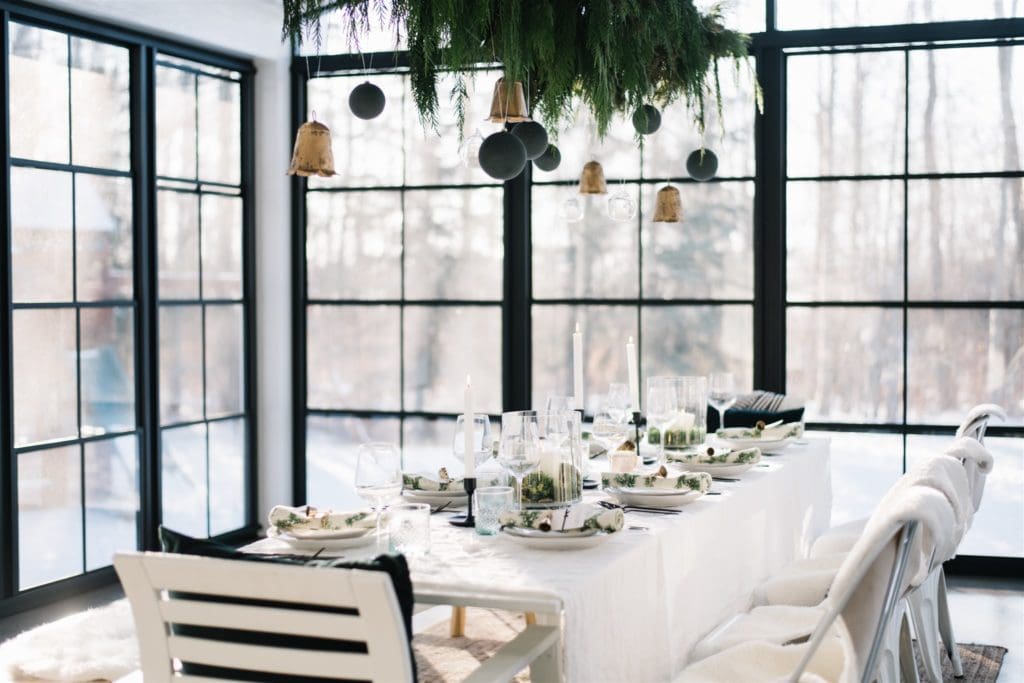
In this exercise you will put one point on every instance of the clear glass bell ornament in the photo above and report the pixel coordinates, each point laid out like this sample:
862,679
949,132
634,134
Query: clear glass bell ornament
469,150
572,209
621,206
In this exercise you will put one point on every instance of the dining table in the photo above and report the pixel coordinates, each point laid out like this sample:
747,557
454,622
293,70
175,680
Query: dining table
632,607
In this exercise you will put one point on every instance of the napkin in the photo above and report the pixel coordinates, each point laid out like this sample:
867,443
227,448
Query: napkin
581,516
426,482
713,456
694,481
783,431
307,518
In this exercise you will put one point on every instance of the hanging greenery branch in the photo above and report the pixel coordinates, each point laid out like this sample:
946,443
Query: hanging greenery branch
611,55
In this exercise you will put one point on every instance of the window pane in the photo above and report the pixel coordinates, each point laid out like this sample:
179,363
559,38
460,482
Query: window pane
864,467
950,262
844,240
39,115
183,479
354,357
433,157
111,499
373,36
845,114
697,340
444,344
595,258
453,244
958,358
331,444
739,15
730,137
967,109
711,254
225,355
222,246
100,105
108,369
227,476
44,356
41,221
797,14
354,245
220,130
846,363
605,331
427,445
181,364
175,123
366,153
103,237
578,142
49,516
178,244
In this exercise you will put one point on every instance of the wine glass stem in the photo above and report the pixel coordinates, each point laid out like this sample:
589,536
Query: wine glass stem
519,491
721,417
378,510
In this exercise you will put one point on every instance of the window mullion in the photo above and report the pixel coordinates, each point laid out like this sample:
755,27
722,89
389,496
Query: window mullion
8,510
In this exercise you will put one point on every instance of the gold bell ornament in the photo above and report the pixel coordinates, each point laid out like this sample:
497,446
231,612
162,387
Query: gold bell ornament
508,104
668,207
592,179
312,155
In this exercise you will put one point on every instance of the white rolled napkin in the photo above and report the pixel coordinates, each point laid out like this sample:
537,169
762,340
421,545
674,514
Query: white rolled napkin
717,456
685,481
782,431
426,482
307,518
581,516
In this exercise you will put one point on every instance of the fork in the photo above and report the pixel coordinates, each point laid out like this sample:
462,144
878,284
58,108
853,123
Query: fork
440,507
636,508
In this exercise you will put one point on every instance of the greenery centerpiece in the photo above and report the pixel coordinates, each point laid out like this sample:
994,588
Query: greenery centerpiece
613,56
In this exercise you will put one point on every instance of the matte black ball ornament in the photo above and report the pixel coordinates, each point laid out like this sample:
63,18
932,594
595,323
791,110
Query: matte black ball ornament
702,164
549,160
366,101
647,119
502,155
533,137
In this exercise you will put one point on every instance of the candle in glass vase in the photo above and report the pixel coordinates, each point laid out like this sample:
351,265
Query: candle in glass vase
468,427
577,367
634,377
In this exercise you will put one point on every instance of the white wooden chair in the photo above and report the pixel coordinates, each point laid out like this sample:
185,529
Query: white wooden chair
329,604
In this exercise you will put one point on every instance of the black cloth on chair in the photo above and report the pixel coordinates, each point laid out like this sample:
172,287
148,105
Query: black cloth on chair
758,405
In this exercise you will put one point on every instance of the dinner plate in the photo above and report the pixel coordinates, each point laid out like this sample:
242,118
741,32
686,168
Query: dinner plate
576,539
325,543
328,534
719,469
434,496
766,445
658,498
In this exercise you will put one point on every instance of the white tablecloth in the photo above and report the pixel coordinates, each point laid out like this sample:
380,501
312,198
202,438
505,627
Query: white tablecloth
634,606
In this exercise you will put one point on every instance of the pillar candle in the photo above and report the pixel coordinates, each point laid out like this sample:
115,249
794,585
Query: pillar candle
577,367
468,428
634,377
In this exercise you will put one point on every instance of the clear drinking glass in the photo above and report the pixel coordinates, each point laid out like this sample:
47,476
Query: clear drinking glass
690,427
519,448
721,393
491,503
409,528
481,439
559,404
378,476
620,406
661,408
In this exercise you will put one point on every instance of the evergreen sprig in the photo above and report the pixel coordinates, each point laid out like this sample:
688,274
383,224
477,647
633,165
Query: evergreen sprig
611,55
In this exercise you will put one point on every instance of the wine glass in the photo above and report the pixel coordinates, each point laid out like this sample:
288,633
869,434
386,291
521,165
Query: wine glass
661,407
721,393
560,404
481,439
519,449
619,404
378,476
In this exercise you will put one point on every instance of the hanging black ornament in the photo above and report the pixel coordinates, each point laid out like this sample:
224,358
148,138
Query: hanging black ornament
533,137
366,101
502,156
702,164
549,160
646,119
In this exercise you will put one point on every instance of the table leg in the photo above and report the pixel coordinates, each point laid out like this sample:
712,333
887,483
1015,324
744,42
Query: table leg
531,618
457,626
548,667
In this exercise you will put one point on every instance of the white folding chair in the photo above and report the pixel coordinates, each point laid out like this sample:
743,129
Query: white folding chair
282,602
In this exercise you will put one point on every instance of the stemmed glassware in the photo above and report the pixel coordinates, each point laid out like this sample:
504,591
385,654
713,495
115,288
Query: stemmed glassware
559,404
519,448
661,408
721,393
619,404
378,476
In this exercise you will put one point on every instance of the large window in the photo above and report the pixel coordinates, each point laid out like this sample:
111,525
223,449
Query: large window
98,381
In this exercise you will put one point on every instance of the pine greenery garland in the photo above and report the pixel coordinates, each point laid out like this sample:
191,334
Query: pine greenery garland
611,55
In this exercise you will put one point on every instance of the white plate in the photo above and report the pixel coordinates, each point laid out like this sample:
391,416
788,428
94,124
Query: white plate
328,534
326,543
654,498
555,540
766,445
724,469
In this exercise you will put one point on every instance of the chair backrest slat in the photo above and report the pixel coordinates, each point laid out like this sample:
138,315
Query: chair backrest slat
277,660
250,618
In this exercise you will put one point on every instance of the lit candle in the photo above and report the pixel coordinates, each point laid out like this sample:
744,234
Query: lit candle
467,431
577,367
634,377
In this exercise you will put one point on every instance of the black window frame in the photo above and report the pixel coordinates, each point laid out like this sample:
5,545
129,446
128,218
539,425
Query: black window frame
143,49
768,49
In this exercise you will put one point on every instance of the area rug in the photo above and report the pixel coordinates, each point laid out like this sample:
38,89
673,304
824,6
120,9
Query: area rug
981,663
443,659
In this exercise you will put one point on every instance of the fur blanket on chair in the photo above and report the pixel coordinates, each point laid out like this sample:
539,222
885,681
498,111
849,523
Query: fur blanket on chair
96,645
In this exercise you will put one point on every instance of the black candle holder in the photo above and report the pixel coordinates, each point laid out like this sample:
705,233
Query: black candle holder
469,483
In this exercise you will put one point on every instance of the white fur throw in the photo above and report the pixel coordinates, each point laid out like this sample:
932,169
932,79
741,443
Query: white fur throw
98,644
